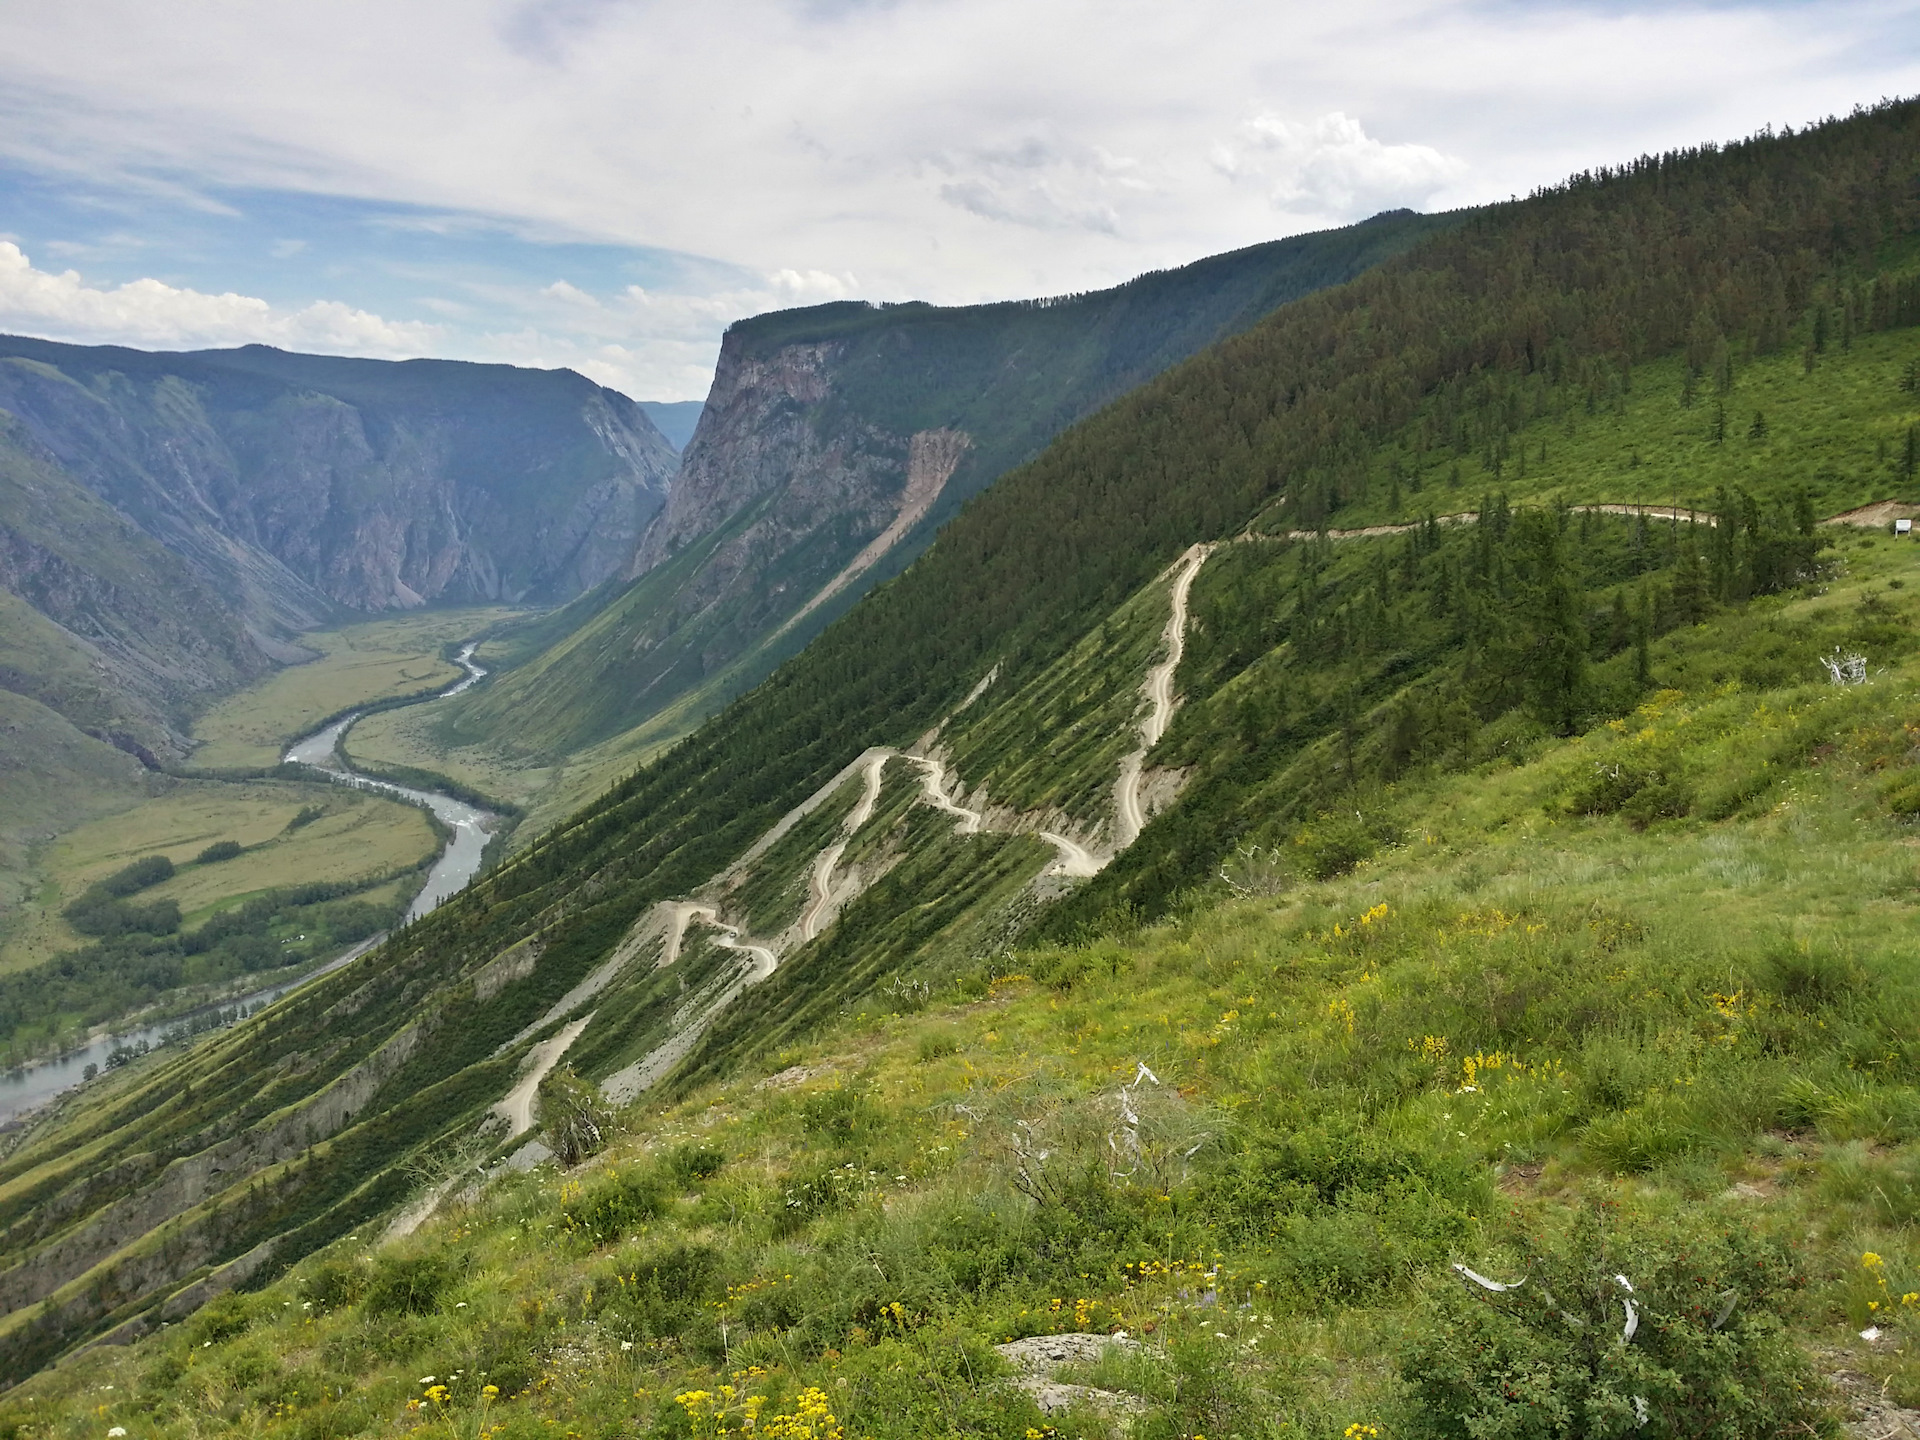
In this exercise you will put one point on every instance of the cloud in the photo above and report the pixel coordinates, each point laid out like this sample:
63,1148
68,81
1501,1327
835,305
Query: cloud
149,312
1330,165
795,151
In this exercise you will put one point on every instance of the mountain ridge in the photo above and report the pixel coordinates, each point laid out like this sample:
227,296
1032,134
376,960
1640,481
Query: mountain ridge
804,457
1315,676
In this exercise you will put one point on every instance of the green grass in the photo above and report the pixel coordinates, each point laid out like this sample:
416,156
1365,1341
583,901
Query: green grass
1516,1016
1839,430
358,835
1056,742
376,660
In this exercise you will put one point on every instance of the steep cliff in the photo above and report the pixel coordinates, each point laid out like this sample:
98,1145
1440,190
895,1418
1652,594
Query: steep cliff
296,483
835,442
105,626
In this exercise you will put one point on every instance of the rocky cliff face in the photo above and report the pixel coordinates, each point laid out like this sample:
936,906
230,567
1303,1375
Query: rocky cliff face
834,443
787,499
118,634
299,483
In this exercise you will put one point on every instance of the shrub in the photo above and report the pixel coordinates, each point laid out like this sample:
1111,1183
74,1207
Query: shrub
615,1205
573,1120
218,851
1552,1356
334,1285
838,1113
409,1284
662,1295
220,1319
1333,845
807,1197
97,915
693,1161
136,877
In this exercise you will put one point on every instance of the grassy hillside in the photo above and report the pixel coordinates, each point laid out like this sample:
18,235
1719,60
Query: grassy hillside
1536,1040
639,665
1442,713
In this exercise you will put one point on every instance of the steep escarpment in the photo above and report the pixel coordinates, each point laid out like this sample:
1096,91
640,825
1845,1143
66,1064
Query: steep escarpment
297,483
835,442
891,812
106,626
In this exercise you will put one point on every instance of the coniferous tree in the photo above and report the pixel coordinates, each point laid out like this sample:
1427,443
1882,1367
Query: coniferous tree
1642,634
1552,643
1619,625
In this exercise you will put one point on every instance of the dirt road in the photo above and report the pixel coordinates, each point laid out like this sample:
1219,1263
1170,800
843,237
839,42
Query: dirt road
517,1108
1129,816
821,884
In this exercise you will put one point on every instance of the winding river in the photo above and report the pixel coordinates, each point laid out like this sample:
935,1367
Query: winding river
24,1088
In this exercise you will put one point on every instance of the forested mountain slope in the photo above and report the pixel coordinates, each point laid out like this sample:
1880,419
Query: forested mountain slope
835,443
897,807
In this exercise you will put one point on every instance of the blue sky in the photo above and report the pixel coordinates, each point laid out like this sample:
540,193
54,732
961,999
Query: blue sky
605,184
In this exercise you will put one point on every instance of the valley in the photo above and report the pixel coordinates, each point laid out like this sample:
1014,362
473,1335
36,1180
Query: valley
1357,878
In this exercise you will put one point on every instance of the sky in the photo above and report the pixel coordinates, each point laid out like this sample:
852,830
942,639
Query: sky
607,184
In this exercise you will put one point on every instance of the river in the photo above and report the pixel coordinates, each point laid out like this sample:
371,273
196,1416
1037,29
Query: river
23,1088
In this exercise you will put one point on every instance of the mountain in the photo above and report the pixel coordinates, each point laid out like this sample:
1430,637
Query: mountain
299,483
171,523
835,442
675,419
1412,784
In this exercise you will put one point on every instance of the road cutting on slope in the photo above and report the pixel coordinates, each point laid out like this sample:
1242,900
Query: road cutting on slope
827,890
825,895
1129,815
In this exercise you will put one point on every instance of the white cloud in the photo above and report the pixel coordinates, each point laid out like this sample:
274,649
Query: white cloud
950,150
62,306
1332,166
957,150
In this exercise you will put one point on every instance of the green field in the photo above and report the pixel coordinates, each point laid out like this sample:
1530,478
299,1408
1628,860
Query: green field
359,835
377,660
95,809
1530,1037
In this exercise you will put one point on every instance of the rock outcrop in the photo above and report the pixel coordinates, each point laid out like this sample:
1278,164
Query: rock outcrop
834,443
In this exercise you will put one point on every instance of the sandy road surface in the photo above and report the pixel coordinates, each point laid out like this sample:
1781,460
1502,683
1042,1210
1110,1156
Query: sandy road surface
1129,816
821,883
517,1108
1472,517
1075,859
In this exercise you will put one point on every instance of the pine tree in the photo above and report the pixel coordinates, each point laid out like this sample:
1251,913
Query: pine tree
1552,643
1619,625
1642,633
